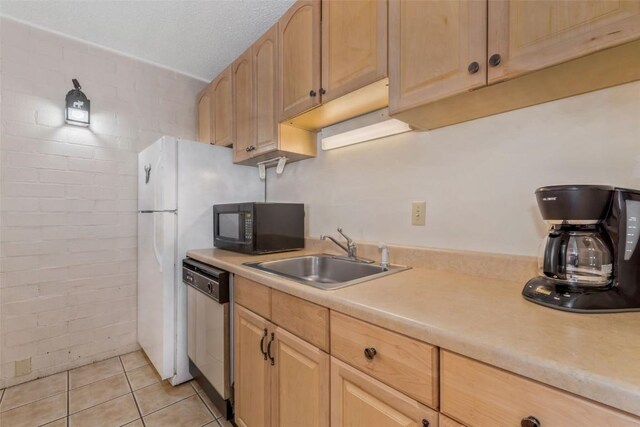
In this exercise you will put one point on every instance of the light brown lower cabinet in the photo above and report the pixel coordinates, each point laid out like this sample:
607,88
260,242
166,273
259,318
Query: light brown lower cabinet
251,370
280,380
481,395
358,400
444,421
299,383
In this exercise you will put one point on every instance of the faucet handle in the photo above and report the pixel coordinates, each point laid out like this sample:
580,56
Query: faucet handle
349,240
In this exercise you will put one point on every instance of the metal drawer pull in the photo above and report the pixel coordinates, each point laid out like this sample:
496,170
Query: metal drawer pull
530,422
370,353
264,353
273,359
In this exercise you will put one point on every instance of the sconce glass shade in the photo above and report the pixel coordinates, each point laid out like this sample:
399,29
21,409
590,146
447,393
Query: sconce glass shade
77,111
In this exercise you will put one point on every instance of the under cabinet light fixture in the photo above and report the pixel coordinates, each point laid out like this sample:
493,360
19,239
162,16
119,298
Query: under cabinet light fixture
361,129
77,107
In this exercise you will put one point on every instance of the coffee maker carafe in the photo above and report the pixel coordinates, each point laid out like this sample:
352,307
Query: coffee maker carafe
589,261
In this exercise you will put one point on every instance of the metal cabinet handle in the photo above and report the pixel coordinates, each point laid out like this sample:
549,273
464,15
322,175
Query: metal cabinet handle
530,421
264,353
247,149
312,93
271,357
425,423
322,91
495,60
370,353
473,68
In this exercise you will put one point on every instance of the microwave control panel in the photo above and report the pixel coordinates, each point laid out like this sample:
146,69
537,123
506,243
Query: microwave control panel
248,227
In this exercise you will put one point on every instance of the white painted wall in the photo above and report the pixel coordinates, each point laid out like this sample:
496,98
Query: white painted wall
68,224
477,178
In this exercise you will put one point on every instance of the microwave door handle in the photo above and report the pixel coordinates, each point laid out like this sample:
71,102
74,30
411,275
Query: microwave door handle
155,241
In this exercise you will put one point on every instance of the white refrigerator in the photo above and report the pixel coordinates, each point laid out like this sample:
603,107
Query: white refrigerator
178,183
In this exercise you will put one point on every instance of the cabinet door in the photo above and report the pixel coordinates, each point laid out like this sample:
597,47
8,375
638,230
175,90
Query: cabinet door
530,35
300,383
433,49
357,400
204,117
221,108
354,45
251,370
299,58
265,76
243,121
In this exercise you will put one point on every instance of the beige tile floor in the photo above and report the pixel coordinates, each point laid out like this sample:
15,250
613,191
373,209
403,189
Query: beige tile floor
122,391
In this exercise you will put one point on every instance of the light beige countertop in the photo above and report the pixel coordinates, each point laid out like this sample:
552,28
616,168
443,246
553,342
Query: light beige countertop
596,356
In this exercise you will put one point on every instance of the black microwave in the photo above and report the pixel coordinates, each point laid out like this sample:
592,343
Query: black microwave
258,228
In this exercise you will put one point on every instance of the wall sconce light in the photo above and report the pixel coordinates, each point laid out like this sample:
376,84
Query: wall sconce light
77,108
364,128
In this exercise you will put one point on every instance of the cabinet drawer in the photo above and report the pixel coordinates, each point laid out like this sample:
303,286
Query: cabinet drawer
305,319
403,363
481,395
252,295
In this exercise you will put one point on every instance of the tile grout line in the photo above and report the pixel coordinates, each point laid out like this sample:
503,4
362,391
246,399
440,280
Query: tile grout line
205,404
37,400
171,404
98,404
132,395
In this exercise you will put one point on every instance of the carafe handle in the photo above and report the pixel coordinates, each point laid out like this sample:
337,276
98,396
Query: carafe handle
555,255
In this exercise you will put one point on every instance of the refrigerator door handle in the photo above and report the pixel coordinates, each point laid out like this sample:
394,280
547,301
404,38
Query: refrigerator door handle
155,242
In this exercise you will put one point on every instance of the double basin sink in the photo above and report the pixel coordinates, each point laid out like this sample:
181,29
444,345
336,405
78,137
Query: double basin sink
326,271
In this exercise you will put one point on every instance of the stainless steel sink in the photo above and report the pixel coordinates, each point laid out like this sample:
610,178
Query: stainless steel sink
325,271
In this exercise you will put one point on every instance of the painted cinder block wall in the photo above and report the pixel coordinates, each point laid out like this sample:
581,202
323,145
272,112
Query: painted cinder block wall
68,203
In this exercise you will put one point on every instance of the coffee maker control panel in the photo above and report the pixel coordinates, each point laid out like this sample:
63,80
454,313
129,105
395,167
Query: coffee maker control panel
633,228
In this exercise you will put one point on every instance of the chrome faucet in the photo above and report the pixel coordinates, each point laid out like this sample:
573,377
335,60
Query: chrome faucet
351,248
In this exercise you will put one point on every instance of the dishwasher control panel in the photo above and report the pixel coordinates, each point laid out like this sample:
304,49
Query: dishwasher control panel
206,279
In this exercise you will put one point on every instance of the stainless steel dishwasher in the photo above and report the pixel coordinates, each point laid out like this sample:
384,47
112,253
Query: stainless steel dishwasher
208,331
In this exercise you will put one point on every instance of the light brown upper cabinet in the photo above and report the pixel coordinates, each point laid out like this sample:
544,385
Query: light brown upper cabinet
264,54
526,36
299,58
354,45
441,73
204,116
257,134
221,109
436,49
353,69
243,105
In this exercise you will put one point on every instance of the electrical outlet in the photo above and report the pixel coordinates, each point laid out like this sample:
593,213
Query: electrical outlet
23,367
418,210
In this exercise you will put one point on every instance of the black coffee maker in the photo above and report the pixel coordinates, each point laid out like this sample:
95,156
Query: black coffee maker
590,261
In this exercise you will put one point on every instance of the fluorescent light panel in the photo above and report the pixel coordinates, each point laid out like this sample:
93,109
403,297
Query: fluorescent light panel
366,133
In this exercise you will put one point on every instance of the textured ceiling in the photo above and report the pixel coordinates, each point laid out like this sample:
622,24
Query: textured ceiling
198,38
